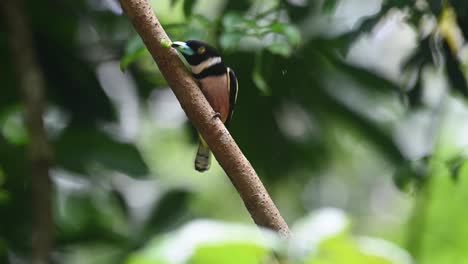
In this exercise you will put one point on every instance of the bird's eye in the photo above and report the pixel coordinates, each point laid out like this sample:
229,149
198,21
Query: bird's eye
201,50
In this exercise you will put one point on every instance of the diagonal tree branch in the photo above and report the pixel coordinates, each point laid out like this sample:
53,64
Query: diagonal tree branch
237,167
31,84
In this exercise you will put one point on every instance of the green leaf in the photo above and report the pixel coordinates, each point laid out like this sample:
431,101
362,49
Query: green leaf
261,83
204,241
141,259
165,43
230,253
289,31
79,149
334,243
343,249
280,48
258,79
277,27
12,126
443,202
134,50
293,34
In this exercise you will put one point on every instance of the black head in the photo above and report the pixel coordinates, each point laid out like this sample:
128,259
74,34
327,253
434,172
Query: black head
195,51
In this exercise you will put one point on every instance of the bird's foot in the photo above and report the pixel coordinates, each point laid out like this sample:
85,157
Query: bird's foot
217,115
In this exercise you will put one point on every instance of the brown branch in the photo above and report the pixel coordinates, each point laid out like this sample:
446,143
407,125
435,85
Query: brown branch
237,167
31,85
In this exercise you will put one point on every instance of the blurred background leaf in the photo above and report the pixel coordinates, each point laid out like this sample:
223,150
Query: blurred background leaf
356,105
107,152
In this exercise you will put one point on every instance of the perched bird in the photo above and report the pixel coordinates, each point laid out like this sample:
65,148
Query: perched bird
217,82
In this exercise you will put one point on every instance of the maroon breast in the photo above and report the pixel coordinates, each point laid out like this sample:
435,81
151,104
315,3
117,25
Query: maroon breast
215,89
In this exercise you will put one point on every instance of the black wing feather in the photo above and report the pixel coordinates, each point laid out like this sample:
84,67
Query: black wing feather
233,89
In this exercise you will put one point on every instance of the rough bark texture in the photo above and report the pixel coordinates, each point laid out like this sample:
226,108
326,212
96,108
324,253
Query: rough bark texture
237,167
31,86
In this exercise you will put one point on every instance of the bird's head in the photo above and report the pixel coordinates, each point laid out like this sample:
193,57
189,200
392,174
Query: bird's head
195,51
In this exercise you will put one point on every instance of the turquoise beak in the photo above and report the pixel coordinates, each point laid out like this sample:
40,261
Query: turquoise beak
182,47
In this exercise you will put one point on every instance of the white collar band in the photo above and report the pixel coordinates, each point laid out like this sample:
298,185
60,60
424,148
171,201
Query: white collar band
197,69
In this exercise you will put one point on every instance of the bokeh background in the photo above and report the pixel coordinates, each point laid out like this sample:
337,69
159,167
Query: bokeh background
352,112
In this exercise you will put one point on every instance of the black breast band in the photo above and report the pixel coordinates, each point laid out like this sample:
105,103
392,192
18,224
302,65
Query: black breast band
214,70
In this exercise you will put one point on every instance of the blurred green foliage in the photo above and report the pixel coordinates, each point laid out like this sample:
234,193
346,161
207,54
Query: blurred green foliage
325,114
228,243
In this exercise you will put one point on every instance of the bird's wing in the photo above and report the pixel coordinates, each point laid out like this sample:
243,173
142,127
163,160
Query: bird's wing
233,88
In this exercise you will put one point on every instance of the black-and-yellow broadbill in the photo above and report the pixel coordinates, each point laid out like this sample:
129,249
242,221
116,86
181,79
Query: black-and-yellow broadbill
217,82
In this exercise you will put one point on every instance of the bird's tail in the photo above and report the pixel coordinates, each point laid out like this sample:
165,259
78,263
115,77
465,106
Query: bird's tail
203,158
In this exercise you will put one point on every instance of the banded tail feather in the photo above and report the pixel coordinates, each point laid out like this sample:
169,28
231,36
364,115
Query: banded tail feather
203,158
